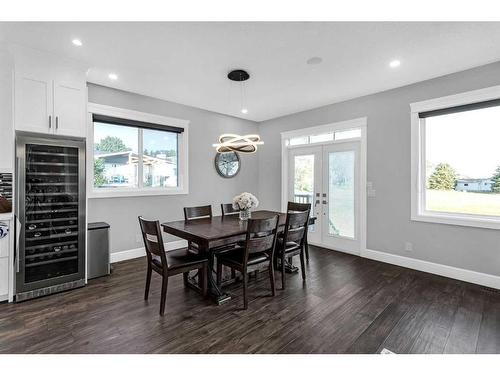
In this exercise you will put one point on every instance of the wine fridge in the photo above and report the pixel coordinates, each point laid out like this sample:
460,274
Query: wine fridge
50,208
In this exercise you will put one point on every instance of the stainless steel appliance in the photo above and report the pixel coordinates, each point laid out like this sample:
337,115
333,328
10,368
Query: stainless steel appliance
98,253
50,207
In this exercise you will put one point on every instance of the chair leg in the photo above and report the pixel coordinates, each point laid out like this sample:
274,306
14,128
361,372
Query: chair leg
303,265
164,286
283,272
205,280
148,282
271,277
306,247
245,285
185,276
219,274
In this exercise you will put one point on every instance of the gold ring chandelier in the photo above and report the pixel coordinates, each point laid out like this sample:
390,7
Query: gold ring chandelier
239,143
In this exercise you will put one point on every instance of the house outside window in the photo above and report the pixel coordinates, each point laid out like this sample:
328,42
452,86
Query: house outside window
456,160
134,153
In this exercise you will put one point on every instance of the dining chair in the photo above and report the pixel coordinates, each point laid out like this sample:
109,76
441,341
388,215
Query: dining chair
301,207
169,263
227,209
260,243
198,212
292,241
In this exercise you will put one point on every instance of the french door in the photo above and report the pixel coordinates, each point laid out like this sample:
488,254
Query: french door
329,178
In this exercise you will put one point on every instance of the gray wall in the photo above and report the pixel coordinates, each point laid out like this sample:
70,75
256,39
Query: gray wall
389,224
205,185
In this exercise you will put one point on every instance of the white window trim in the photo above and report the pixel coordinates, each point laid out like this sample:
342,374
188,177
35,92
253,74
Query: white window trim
182,172
418,212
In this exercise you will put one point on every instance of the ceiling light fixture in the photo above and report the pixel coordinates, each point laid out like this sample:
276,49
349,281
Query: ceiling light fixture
239,143
314,60
113,76
77,42
240,75
394,63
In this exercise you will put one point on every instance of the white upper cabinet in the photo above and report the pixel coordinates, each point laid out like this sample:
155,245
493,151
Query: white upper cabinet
49,94
68,109
33,102
6,123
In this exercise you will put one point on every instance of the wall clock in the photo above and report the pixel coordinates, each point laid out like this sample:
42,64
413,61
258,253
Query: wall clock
227,164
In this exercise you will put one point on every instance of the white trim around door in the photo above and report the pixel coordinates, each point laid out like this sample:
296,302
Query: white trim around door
287,148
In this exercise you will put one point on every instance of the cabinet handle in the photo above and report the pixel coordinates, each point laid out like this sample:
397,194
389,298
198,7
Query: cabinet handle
50,122
57,122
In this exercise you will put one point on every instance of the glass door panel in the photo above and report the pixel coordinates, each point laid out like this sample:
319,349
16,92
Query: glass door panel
341,221
51,217
340,197
305,182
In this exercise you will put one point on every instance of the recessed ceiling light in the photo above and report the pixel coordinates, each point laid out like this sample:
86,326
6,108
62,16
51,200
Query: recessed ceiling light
244,111
77,42
314,60
113,76
394,63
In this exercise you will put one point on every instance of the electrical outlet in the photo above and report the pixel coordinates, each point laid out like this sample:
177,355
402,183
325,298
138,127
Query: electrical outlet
408,246
370,191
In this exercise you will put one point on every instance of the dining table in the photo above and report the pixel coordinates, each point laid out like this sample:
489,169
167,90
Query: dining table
210,234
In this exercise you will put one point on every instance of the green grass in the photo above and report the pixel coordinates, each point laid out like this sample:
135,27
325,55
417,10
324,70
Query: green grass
463,202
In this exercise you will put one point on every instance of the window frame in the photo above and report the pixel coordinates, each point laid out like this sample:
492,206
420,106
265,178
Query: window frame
418,158
182,150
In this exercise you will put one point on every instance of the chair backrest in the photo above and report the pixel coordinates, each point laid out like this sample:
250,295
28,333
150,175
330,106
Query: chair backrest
153,240
261,236
197,212
227,209
296,227
300,207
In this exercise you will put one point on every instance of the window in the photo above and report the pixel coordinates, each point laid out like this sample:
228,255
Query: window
456,161
136,154
338,135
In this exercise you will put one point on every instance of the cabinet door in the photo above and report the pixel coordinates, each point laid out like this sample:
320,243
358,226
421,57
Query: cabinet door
4,242
69,108
33,103
4,278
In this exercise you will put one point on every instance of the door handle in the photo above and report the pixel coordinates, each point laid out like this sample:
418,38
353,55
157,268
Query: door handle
50,121
18,234
316,202
57,122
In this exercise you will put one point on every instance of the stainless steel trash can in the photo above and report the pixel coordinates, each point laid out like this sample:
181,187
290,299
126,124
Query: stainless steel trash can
97,250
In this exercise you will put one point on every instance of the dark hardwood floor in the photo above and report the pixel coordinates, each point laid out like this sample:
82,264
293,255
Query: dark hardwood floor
348,305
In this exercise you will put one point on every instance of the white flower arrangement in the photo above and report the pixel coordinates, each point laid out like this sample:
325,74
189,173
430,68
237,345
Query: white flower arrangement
245,201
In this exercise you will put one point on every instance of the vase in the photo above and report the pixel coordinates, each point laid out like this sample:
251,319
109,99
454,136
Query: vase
245,214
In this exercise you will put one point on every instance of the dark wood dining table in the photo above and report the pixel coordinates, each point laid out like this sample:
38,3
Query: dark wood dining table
212,233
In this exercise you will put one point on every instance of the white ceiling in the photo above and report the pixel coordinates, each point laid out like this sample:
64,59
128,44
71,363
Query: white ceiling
187,62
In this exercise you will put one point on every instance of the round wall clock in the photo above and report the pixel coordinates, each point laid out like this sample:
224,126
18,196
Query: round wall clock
227,164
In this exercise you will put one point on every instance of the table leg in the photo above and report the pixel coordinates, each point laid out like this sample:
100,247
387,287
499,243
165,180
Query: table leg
213,290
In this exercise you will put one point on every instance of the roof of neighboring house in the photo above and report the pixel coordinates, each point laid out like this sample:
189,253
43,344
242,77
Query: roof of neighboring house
466,180
135,157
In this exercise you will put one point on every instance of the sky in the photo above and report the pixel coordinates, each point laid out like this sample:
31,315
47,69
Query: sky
468,141
152,140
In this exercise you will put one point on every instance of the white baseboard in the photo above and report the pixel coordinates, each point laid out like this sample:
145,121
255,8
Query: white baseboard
474,277
140,251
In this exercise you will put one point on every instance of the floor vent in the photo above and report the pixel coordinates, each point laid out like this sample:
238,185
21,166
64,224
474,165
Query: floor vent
490,290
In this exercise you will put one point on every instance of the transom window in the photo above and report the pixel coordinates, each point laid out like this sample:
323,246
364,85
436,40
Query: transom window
338,135
458,164
132,157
